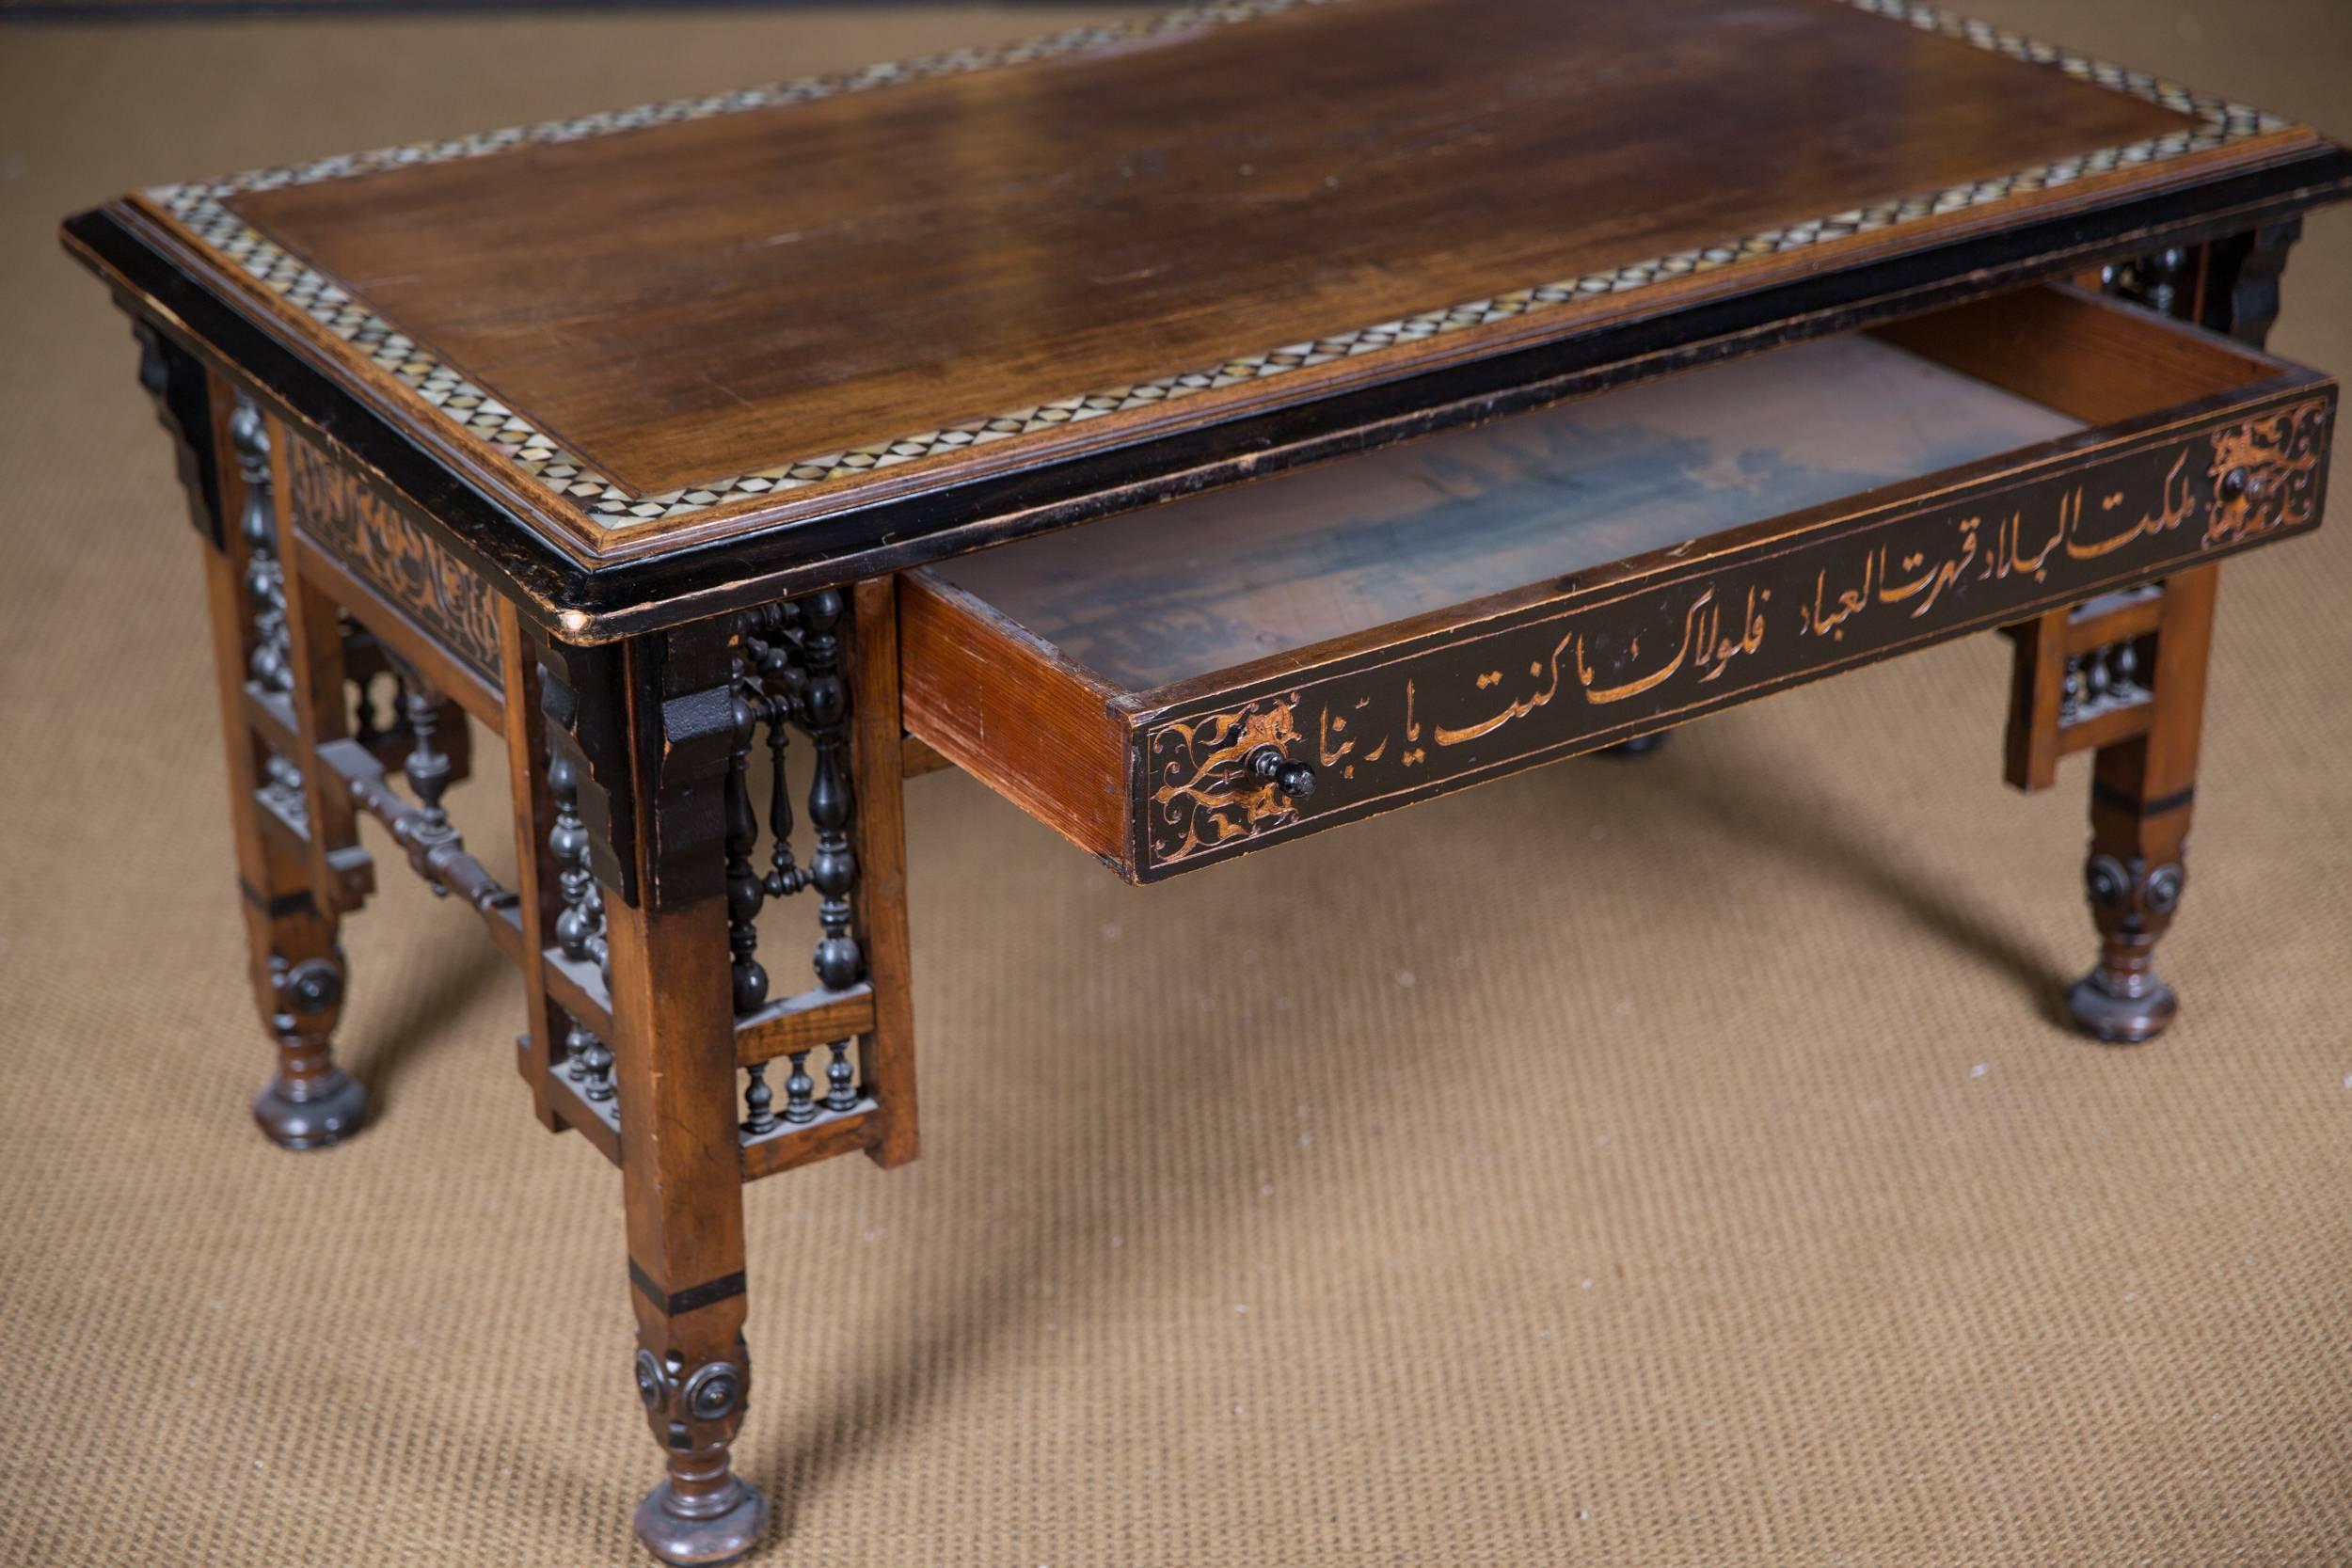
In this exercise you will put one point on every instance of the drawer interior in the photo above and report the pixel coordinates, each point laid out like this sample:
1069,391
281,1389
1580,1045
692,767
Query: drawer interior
1068,670
1171,592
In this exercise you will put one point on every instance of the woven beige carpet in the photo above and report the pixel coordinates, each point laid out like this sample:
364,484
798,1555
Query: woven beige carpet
1664,1164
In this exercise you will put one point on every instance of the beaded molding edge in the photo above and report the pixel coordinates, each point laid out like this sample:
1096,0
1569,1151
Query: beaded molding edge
200,208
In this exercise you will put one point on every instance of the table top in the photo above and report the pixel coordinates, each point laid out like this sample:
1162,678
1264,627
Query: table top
676,353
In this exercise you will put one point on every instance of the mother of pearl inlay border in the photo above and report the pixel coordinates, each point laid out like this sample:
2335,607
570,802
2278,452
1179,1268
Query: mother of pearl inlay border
199,207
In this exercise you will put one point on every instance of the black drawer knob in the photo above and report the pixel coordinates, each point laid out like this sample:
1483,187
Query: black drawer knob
1294,779
2236,482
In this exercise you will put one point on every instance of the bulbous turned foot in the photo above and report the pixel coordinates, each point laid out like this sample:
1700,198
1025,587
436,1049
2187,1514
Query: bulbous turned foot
1634,750
695,1533
329,1113
2121,1016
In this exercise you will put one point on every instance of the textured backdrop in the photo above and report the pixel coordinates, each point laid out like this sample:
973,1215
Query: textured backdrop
1665,1164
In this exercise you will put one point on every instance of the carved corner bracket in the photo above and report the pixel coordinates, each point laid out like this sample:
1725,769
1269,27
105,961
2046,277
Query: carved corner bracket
177,383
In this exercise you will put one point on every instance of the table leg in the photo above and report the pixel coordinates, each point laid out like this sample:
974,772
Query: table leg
2141,794
2143,789
650,727
260,619
681,1175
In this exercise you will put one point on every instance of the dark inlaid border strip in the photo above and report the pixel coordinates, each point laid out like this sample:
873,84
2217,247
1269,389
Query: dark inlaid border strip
201,208
691,1299
2108,794
298,902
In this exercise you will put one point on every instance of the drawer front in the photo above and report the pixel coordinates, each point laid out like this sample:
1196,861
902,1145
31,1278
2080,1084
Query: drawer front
1392,724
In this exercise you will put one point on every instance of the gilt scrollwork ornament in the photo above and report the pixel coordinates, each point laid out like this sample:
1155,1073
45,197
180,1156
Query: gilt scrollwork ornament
1494,695
1205,787
2266,473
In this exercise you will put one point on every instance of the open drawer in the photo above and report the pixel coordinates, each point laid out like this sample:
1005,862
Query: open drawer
1227,670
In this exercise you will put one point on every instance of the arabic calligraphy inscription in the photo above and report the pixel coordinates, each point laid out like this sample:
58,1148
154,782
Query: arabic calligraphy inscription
1750,624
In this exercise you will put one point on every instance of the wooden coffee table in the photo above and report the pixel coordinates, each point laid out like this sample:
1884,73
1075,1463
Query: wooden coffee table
1446,390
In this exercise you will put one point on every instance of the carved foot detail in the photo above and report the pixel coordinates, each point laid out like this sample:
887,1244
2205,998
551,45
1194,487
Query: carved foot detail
326,1111
311,1102
717,1528
2121,1002
2120,1018
703,1512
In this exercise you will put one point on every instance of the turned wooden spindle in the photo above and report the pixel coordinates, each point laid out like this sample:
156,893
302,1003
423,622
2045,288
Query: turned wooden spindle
799,1091
840,1079
269,665
784,876
580,926
759,1102
427,768
2124,672
580,929
832,869
369,727
746,892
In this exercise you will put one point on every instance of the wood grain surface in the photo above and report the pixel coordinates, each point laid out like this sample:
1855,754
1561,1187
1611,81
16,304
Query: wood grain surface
700,299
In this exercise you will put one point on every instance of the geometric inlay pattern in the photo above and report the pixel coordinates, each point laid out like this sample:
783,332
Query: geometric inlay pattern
2212,122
